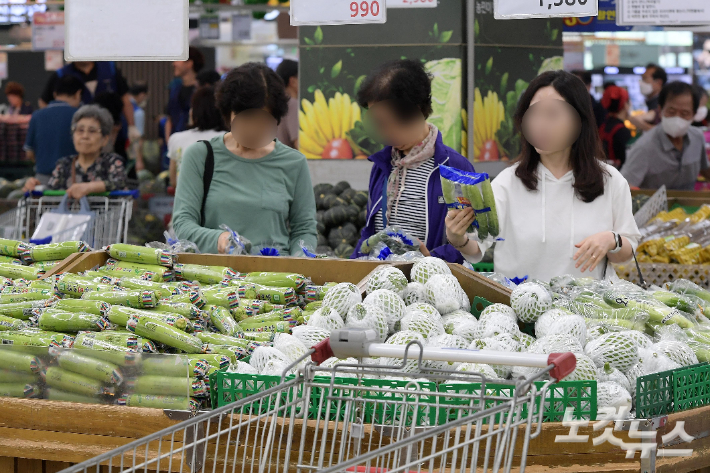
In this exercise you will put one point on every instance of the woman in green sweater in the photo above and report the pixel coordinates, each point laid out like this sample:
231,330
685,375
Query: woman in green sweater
260,187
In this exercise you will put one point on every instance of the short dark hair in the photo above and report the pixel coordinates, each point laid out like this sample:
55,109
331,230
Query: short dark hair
208,77
205,115
139,88
15,88
113,103
404,82
586,76
658,73
287,69
68,85
197,58
675,89
252,86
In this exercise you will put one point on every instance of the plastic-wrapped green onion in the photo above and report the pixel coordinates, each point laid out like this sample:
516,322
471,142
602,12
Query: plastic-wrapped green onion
168,386
164,333
59,321
9,259
12,247
99,370
194,297
106,351
181,403
276,295
80,305
78,287
19,390
120,315
175,365
222,319
42,284
232,351
21,362
23,310
75,383
10,323
271,279
187,310
45,265
135,299
261,337
15,271
161,290
153,272
140,254
54,251
216,360
204,274
224,297
53,394
36,338
23,297
221,339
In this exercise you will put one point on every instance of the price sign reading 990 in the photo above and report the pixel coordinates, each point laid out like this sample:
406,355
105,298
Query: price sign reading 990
510,9
338,12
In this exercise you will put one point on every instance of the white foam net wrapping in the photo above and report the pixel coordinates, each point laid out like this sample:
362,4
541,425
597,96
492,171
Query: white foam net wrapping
269,360
543,324
596,332
332,361
524,340
556,343
495,324
585,369
670,332
611,394
422,322
497,307
613,348
444,293
465,302
403,338
427,267
422,307
242,368
530,301
388,277
368,317
572,325
677,351
291,346
649,362
309,335
466,328
391,304
341,297
504,342
640,339
327,319
480,368
612,374
414,292
445,341
453,320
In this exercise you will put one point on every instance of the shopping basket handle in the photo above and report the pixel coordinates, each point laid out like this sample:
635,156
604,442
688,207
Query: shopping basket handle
58,193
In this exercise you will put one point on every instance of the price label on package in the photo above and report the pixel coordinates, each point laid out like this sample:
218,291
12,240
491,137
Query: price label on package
338,12
510,9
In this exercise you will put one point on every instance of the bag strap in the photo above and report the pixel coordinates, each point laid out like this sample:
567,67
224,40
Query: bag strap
73,171
642,281
206,179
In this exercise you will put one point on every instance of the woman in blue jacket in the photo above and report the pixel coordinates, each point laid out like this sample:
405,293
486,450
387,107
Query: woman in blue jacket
405,187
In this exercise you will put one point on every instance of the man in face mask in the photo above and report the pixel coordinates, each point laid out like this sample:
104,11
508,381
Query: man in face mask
673,153
652,81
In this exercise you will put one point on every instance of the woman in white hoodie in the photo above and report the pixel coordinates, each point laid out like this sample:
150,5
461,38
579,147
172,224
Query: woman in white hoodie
561,209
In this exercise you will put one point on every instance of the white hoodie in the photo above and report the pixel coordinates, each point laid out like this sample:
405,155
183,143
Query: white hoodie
541,228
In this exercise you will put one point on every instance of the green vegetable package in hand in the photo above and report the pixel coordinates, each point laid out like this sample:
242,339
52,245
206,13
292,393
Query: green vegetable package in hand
471,190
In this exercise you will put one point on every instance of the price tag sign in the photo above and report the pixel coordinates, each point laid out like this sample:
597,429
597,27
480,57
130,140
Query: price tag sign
241,26
209,27
412,3
511,9
662,12
338,12
48,31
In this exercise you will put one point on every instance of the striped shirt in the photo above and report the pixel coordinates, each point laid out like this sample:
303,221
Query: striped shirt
412,213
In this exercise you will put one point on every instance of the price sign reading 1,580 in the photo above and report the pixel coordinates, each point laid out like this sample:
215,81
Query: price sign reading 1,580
508,9
338,12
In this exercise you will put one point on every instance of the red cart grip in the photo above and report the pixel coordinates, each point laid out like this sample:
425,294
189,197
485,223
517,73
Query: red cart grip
564,363
323,351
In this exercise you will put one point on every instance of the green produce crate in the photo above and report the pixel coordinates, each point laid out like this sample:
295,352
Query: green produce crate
483,267
478,305
691,387
662,393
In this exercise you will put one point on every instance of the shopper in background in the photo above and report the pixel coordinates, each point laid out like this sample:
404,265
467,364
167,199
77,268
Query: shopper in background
288,128
652,81
260,187
613,132
209,77
118,139
561,209
49,134
139,100
91,170
405,186
15,93
97,77
701,116
206,124
599,110
181,90
672,154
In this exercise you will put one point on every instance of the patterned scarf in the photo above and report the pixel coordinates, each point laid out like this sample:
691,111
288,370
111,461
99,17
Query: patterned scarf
418,155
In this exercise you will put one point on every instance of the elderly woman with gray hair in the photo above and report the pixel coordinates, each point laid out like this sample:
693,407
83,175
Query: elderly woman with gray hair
90,171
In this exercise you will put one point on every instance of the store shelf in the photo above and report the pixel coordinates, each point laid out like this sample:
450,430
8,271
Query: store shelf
199,8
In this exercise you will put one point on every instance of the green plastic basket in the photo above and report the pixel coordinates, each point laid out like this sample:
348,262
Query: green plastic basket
479,304
654,394
483,267
691,387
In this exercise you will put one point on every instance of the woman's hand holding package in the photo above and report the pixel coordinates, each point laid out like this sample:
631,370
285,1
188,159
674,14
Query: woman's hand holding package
593,249
223,243
457,224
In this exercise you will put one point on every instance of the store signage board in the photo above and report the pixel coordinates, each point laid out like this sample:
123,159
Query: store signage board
662,12
241,27
412,3
209,27
338,12
48,31
514,9
126,30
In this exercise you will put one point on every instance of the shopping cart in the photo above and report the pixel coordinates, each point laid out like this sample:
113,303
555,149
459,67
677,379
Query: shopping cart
330,420
111,214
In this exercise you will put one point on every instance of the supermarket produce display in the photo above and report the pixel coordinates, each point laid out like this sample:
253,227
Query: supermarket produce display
341,216
676,237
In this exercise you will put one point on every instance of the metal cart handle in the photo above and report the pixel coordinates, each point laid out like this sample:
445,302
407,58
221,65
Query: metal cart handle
125,193
360,343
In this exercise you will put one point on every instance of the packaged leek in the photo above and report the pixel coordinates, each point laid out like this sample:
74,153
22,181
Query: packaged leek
120,315
75,383
161,332
276,295
76,286
161,290
471,190
140,254
80,305
261,337
181,403
10,323
15,271
204,274
216,360
12,248
53,394
168,386
19,390
17,377
93,368
54,251
45,285
23,310
233,352
21,362
146,271
135,299
10,259
45,266
294,281
36,338
60,321
194,297
222,319
224,297
175,366
185,309
214,338
106,351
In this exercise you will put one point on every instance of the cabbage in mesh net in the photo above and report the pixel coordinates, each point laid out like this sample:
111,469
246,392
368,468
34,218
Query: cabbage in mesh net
502,308
556,343
414,292
572,325
503,342
391,304
613,348
649,362
444,293
242,368
677,351
327,319
530,301
341,298
452,320
524,340
290,346
422,307
403,338
368,317
543,324
480,368
309,335
466,329
611,394
387,277
494,324
268,360
640,339
332,361
607,373
585,369
445,341
426,324
427,267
